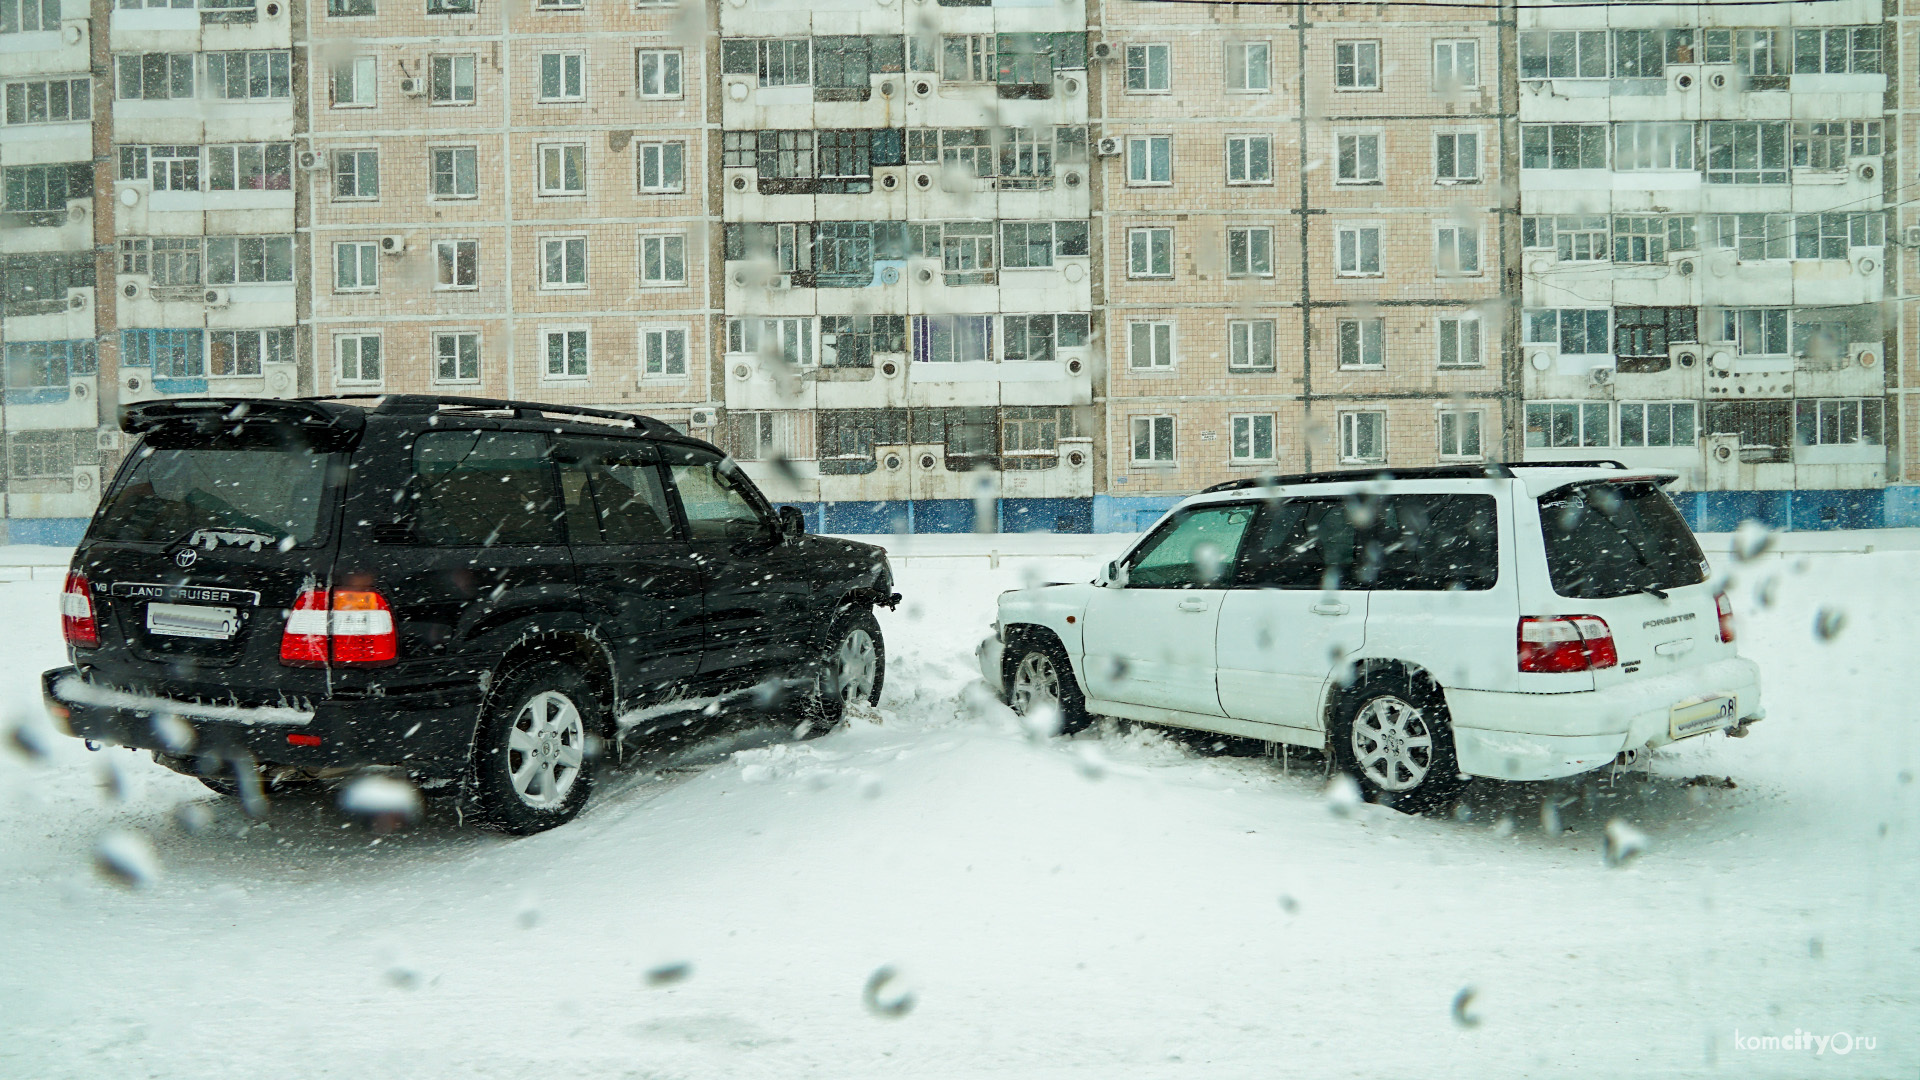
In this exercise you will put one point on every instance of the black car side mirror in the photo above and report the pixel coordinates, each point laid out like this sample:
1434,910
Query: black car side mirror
792,522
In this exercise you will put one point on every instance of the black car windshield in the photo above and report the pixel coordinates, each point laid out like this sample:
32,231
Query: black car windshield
1611,539
169,494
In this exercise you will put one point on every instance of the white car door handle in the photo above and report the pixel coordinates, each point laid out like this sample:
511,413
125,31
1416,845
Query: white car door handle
1329,609
1193,605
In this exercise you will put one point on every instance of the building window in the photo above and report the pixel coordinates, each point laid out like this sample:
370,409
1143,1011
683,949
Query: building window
1837,422
563,262
1252,437
849,341
1460,434
1741,152
1250,252
1456,65
1149,69
1028,245
356,174
1150,253
1150,346
1646,146
169,168
238,353
56,101
789,339
1459,341
172,354
456,172
1568,423
1753,237
359,357
344,8
27,16
1831,145
1563,146
32,364
1149,159
47,188
1363,438
1830,236
1250,66
249,260
1456,157
1563,54
1356,65
952,339
354,80
965,58
1577,331
250,167
1657,423
1250,344
563,76
458,262
1648,238
1357,250
1362,343
663,260
256,76
566,353
563,168
1755,331
1837,50
1034,429
1152,440
1035,337
356,267
663,352
966,253
450,80
657,72
171,260
1249,159
450,7
1457,250
1358,159
1641,336
153,76
456,357
662,167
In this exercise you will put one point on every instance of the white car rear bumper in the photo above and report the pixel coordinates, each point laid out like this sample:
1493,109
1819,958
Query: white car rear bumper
1544,736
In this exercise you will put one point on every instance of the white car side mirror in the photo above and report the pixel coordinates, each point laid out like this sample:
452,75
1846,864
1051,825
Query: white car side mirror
1114,575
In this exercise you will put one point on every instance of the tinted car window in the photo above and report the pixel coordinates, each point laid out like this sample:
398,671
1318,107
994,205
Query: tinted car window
614,495
1432,542
715,502
1613,539
484,488
1196,549
171,493
1302,544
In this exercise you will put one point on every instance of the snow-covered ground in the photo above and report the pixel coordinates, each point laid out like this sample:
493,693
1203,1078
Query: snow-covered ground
1117,905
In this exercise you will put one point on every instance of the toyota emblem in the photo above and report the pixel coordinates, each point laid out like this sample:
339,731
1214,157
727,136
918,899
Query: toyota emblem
185,556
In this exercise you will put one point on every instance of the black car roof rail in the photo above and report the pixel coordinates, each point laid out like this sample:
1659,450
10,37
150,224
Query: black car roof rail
146,415
427,404
1492,470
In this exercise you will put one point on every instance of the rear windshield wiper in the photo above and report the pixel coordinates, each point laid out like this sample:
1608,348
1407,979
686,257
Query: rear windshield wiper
1651,591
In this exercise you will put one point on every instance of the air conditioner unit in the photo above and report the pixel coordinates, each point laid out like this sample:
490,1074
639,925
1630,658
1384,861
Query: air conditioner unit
109,439
1068,84
393,244
1600,376
780,282
413,86
77,299
703,417
1913,236
1103,51
312,159
217,298
1108,146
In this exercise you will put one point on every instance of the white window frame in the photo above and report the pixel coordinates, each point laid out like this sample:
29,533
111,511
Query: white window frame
1450,240
1348,424
650,333
1140,149
659,148
1241,70
1369,335
365,253
453,79
1357,231
1360,138
455,243
1458,417
546,190
1236,422
358,154
579,56
547,334
586,262
479,357
653,249
1242,336
1154,442
1245,145
1353,50
1458,178
1146,233
1145,52
358,337
1248,271
432,177
1454,326
366,83
1645,407
670,66
1161,345
1446,65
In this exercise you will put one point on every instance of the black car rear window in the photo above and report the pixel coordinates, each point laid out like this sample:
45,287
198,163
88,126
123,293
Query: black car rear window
1611,539
172,492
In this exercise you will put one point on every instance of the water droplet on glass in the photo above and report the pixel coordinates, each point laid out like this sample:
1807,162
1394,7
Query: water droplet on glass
1462,1001
126,858
1751,540
192,817
1342,795
669,974
1828,622
883,997
385,802
1622,843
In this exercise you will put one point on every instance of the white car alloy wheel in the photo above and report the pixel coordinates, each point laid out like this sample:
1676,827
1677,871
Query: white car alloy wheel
855,663
1392,744
545,747
1036,684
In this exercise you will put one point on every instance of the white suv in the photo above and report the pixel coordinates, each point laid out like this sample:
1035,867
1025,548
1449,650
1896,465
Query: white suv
1518,622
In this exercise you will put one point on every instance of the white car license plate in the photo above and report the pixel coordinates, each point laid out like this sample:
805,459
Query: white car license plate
1701,715
193,620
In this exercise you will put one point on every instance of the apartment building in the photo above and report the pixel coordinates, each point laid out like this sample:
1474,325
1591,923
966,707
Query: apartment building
1705,251
1903,261
1308,240
513,200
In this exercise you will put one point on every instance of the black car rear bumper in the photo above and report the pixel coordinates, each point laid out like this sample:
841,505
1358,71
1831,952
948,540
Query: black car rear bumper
428,734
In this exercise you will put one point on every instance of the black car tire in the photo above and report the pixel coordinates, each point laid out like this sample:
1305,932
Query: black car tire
535,725
823,706
1403,755
1038,671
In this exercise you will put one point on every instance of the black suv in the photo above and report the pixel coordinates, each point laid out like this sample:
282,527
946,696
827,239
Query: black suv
468,589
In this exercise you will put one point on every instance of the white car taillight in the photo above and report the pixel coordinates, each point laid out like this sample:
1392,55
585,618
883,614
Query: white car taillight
1725,607
77,622
1562,643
